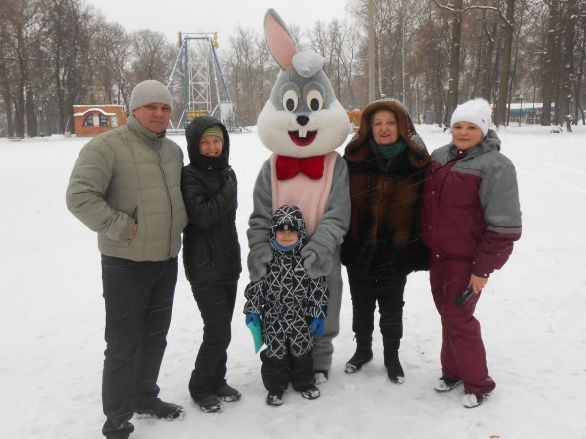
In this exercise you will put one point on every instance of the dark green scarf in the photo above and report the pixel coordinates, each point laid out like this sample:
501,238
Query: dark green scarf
388,152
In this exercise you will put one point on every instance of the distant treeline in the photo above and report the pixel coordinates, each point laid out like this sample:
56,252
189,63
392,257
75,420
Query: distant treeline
431,54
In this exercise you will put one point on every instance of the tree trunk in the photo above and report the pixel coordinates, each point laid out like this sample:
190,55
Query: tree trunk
8,112
579,81
453,81
501,105
371,53
548,65
19,113
487,61
567,69
513,80
31,118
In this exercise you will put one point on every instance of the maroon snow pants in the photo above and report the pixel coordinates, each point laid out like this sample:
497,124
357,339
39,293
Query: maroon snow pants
463,355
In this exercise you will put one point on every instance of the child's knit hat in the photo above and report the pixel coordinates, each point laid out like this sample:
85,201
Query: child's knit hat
476,111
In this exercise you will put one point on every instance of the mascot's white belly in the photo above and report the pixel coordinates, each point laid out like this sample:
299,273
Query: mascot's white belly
311,196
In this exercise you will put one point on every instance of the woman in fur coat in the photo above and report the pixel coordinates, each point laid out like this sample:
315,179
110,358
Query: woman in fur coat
386,163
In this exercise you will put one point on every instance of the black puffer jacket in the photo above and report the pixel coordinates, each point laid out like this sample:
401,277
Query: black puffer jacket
211,252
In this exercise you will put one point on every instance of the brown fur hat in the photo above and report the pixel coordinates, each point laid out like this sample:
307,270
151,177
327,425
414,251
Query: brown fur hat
358,148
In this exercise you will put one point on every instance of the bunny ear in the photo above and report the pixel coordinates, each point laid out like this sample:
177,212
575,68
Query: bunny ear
279,40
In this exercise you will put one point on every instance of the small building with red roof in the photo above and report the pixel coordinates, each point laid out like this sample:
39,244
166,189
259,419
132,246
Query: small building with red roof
91,120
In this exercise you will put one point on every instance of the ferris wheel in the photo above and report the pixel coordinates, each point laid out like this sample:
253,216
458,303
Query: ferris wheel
197,77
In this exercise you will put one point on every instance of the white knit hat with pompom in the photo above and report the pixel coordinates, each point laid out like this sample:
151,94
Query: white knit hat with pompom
476,111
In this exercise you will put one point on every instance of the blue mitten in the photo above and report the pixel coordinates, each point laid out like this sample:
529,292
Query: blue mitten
252,318
317,326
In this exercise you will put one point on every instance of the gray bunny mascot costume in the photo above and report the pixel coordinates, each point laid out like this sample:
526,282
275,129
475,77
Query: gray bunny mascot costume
303,123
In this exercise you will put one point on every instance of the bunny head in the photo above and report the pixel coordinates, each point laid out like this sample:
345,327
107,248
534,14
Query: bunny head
302,117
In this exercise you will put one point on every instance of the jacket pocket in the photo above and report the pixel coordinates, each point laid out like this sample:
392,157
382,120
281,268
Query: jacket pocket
134,217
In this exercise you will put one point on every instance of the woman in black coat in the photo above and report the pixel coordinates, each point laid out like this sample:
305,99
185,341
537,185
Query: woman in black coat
211,254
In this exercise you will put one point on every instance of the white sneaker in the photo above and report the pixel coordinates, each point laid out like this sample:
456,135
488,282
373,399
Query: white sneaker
444,384
470,400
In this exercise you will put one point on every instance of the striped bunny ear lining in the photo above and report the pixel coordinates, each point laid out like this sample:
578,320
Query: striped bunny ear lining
279,40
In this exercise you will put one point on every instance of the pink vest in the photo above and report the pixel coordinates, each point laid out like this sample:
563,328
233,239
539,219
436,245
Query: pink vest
311,196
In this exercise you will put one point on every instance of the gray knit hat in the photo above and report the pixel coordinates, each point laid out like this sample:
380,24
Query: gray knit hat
150,92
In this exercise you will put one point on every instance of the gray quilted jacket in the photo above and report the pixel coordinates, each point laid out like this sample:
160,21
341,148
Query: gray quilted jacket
129,175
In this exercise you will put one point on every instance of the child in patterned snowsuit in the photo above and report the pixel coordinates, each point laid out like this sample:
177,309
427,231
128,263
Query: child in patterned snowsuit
292,308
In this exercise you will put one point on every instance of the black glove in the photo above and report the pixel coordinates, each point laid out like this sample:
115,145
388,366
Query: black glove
228,175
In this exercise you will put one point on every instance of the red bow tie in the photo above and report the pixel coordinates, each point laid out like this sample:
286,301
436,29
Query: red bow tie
289,167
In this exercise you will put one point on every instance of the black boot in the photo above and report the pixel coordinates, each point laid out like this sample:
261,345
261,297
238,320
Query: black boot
159,409
393,365
362,356
117,430
391,327
275,398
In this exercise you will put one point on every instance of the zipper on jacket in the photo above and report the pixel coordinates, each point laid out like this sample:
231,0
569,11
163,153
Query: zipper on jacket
441,184
162,171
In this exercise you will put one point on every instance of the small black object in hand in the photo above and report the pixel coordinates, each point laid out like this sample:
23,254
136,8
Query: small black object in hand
463,298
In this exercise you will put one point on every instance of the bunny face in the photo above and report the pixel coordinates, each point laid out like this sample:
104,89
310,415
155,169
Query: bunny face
302,117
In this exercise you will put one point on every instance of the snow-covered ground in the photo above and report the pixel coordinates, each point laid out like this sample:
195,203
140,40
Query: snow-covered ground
532,312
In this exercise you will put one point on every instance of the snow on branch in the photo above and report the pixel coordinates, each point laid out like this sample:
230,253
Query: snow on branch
467,7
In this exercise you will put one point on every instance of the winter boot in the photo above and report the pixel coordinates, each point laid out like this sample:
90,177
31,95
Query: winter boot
362,356
159,409
391,328
118,435
470,400
445,384
395,371
227,393
208,403
311,392
275,398
320,376
392,363
115,430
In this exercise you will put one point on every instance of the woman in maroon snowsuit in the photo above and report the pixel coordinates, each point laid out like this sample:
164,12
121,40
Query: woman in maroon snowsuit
470,219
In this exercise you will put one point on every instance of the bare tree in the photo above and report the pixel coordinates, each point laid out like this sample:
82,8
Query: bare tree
501,105
153,56
65,39
250,74
21,33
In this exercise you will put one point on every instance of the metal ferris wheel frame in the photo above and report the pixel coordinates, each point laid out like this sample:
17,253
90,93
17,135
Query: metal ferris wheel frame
202,81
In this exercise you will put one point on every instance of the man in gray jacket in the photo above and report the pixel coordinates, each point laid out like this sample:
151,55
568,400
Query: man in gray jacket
125,186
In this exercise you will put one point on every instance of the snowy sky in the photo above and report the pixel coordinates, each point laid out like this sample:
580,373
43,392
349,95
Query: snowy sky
223,16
